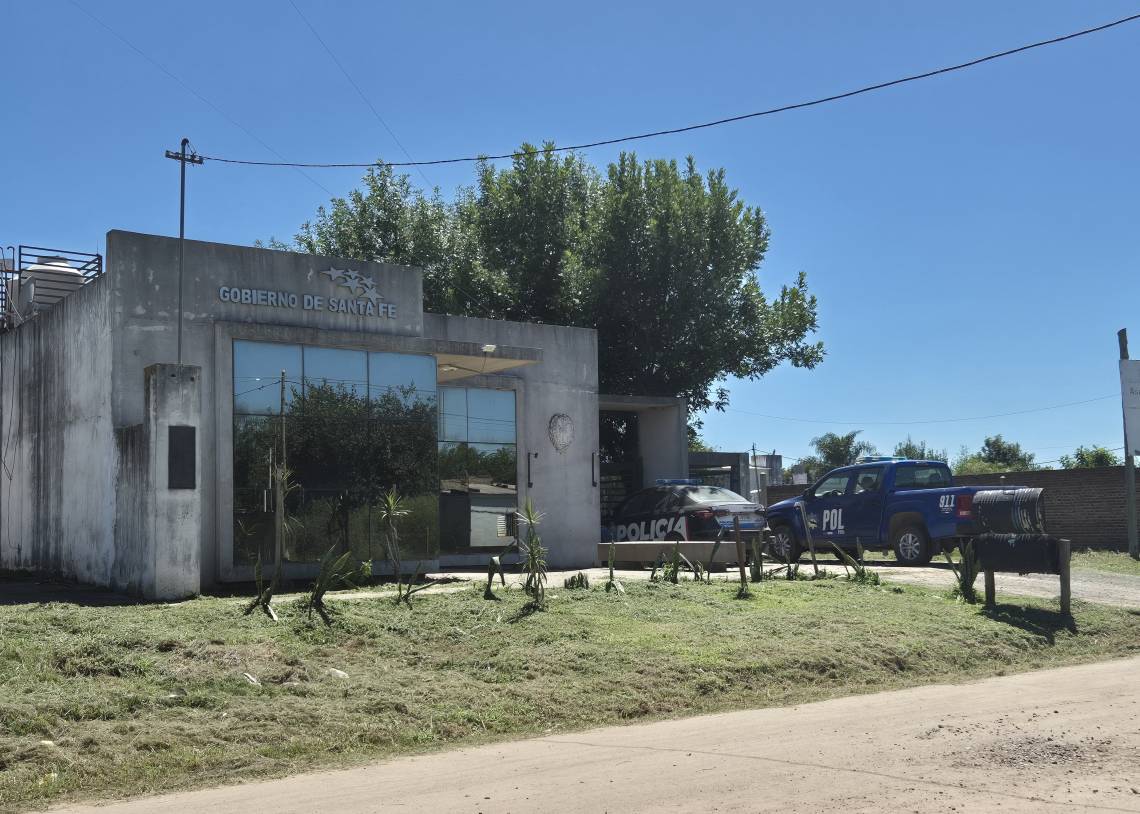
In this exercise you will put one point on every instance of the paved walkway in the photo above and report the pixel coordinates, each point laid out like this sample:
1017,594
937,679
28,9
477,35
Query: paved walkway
1056,740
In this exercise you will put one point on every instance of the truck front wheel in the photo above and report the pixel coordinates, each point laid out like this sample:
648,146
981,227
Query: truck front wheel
783,546
912,545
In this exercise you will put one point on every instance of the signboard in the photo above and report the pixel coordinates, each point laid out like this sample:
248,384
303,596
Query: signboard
361,296
1130,393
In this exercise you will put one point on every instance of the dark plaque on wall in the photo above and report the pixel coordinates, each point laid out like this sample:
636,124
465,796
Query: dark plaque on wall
181,471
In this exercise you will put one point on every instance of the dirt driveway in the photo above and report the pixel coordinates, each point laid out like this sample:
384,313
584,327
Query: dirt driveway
1056,740
1102,587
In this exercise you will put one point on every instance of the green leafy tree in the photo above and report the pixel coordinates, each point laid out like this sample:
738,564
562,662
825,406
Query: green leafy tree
919,451
661,260
996,455
1089,457
840,450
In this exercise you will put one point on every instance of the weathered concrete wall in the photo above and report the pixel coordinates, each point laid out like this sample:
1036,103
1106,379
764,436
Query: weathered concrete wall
57,482
158,540
662,432
564,383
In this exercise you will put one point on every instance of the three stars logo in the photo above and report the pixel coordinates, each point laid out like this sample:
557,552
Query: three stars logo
362,287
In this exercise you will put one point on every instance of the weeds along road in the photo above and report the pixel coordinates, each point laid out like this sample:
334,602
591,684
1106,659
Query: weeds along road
1055,740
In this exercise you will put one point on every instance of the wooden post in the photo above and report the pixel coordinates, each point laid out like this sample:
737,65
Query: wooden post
991,591
1129,466
810,541
740,557
1063,553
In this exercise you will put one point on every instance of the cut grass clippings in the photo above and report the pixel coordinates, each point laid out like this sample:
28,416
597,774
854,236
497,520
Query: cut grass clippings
1115,562
111,701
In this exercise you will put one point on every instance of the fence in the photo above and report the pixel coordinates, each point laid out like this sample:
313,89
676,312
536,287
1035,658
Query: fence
1083,505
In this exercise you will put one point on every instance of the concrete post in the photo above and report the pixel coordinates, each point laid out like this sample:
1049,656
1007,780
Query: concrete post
173,399
159,509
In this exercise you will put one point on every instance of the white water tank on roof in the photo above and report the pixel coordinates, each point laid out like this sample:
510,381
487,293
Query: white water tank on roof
51,279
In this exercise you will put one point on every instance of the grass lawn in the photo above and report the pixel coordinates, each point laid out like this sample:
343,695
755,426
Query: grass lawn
1117,562
150,698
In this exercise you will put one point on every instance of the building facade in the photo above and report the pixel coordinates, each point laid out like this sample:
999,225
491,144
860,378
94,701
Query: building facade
140,456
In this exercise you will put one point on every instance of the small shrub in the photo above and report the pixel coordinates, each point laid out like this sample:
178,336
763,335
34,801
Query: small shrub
577,582
855,569
334,572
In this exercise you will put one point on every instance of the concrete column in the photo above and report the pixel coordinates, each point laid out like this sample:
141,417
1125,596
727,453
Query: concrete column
664,442
159,516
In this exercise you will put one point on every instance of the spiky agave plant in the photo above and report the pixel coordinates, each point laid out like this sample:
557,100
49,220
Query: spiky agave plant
966,573
612,584
332,573
390,510
534,555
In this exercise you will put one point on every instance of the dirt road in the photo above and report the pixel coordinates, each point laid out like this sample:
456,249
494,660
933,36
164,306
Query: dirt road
1066,739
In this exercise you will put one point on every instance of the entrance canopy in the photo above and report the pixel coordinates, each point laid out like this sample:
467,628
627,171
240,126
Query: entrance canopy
459,360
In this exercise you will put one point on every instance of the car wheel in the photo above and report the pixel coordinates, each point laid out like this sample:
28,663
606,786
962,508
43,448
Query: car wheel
912,545
674,537
783,546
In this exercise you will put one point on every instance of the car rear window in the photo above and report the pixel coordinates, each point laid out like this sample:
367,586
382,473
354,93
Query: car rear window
695,495
922,477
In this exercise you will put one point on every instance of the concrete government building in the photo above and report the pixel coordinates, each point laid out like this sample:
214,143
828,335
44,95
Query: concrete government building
121,468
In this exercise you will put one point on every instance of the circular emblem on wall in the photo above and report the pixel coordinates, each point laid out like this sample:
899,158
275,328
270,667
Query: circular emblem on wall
561,431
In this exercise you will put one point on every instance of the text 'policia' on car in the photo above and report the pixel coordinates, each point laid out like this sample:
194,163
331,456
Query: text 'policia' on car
684,509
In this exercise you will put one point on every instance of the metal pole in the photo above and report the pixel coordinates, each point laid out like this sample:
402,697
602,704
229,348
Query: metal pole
181,238
1129,464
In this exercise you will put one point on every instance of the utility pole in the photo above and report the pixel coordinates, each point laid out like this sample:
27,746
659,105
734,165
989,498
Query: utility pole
1129,461
183,159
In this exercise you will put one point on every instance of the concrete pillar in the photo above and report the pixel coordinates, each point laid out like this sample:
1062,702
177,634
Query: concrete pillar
159,512
664,441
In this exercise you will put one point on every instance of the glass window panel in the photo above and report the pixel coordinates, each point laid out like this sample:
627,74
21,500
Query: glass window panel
337,367
253,440
833,486
257,375
407,376
452,414
253,528
492,468
491,416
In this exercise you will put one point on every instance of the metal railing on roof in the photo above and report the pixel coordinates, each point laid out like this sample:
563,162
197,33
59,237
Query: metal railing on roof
55,273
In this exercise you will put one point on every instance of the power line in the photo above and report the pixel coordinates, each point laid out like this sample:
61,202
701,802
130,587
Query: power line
703,125
195,93
923,421
356,87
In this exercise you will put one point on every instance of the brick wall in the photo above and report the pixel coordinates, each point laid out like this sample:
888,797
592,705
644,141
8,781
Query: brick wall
1085,505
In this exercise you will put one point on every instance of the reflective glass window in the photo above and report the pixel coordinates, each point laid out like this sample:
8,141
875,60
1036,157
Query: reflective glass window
491,416
338,368
257,376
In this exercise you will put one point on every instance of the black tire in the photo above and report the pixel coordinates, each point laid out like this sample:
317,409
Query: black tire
674,537
784,546
911,545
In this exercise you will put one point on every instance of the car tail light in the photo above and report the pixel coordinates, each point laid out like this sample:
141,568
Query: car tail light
965,506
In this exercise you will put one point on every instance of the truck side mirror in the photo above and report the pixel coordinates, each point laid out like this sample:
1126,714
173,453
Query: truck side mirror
807,492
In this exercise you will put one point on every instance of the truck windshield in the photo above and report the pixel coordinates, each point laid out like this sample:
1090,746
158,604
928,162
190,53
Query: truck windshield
922,477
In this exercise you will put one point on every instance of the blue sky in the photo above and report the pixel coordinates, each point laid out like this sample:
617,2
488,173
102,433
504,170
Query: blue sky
972,238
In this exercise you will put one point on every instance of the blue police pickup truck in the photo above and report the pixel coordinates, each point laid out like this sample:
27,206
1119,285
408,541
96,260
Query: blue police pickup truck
912,507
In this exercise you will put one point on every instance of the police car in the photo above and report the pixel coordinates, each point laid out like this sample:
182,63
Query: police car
684,510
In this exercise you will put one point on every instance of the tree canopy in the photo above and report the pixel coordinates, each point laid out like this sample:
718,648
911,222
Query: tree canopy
996,455
919,451
832,450
1089,457
659,258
